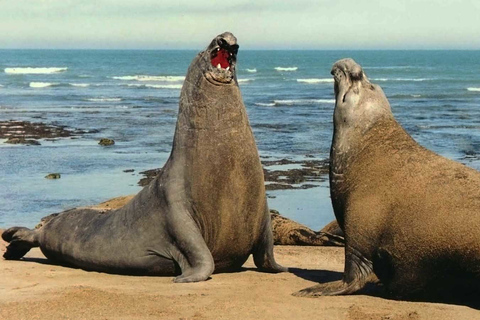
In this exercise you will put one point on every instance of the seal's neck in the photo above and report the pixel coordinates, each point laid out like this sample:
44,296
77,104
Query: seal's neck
208,106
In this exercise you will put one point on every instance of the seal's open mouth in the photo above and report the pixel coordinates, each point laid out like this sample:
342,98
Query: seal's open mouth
224,55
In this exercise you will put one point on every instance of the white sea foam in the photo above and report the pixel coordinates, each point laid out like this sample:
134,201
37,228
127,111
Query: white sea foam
251,70
286,68
41,84
474,89
261,104
402,79
155,86
294,102
164,86
244,80
416,95
81,85
302,101
105,99
315,80
390,67
150,78
30,70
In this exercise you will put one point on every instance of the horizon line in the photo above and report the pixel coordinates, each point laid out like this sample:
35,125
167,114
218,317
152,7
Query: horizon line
247,49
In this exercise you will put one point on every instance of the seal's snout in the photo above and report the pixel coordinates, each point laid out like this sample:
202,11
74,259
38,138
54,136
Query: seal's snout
348,75
349,68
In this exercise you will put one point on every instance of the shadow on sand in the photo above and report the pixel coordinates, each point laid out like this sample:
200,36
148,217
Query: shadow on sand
376,289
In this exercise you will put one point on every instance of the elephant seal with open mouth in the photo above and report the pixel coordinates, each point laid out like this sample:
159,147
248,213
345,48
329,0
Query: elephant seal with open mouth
206,211
410,216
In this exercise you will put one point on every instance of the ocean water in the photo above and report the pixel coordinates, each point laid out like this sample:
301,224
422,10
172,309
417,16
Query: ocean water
132,97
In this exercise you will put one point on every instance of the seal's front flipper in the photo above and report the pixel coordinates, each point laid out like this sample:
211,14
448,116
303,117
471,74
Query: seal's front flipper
21,241
192,254
358,271
190,250
263,252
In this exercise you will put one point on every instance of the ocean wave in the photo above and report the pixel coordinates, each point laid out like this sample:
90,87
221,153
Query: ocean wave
403,79
262,104
316,80
474,89
164,86
390,67
30,70
41,84
155,86
150,78
286,68
294,102
244,80
81,85
302,102
104,99
251,70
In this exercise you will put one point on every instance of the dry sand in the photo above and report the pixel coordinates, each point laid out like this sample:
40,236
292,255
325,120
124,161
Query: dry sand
35,289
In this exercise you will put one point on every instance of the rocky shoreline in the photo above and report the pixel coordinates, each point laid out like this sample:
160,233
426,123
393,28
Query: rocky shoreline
304,177
28,133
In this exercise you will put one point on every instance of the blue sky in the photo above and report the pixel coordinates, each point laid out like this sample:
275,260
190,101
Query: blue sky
260,24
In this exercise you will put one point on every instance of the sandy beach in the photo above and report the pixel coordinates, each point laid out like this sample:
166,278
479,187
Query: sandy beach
35,289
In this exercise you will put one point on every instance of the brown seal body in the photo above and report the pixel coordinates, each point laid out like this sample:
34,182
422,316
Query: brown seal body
292,233
205,211
410,216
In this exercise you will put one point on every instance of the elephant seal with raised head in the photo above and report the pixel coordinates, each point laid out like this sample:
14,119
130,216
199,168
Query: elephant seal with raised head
410,216
206,211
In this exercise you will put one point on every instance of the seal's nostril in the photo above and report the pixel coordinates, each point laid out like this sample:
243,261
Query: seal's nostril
234,49
222,43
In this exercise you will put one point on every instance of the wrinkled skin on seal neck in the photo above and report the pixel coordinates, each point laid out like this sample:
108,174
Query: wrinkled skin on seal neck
210,95
360,105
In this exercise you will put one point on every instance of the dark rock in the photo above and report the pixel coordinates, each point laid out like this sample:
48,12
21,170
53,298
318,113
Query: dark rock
149,176
311,171
53,176
106,142
23,141
129,170
25,132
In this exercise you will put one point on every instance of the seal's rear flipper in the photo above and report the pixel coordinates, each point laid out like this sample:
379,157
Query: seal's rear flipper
21,241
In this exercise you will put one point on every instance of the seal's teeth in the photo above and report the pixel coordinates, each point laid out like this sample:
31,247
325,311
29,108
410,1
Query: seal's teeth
219,66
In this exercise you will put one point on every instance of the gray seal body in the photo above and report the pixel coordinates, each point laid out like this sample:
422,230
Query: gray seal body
206,211
410,216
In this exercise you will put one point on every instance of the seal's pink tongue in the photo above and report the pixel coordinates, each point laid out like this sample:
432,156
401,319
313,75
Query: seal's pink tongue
221,58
